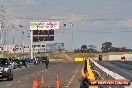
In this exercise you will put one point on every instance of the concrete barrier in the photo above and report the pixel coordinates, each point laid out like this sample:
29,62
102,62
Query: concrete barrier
118,57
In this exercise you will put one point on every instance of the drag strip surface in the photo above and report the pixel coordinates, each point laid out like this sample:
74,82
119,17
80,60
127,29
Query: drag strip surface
123,68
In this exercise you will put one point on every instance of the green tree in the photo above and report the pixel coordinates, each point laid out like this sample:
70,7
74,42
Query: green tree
106,47
84,48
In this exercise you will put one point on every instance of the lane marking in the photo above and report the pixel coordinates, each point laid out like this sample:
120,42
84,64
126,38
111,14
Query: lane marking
70,82
75,72
18,81
9,85
72,78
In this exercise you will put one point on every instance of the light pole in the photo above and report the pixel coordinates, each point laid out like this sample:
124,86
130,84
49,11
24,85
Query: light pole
21,42
13,40
31,43
1,35
72,39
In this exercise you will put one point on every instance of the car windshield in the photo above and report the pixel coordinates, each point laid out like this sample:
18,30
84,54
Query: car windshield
4,62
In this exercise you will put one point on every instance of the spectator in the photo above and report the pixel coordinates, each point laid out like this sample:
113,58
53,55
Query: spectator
47,63
35,61
123,58
100,57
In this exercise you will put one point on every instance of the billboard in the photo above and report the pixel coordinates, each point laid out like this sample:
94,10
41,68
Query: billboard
43,32
44,25
43,38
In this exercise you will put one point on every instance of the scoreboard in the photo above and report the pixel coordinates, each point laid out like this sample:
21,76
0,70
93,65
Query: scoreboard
43,32
43,35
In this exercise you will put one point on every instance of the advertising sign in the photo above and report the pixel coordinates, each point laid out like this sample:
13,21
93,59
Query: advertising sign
44,25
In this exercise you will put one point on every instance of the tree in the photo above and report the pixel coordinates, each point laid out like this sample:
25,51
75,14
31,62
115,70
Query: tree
106,47
92,48
84,48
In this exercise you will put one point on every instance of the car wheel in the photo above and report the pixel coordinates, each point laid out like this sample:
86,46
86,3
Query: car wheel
10,78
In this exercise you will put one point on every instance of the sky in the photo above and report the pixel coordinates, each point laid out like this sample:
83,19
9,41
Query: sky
94,21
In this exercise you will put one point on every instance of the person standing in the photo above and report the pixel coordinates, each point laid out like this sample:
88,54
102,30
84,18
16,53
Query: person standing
47,63
35,61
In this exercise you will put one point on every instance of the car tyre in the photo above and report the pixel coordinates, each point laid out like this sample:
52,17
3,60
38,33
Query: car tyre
10,78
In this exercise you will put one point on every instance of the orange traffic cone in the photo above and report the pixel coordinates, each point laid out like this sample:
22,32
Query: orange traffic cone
57,82
35,83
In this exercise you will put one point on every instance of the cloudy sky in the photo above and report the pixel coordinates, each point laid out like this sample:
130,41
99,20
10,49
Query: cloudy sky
94,21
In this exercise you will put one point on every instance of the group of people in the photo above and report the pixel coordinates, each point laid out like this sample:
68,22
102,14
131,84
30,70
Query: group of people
36,61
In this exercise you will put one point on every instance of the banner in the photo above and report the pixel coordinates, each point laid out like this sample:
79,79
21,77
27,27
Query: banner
44,25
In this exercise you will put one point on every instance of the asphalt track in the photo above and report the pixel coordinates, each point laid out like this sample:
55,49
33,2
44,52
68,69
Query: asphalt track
123,68
69,74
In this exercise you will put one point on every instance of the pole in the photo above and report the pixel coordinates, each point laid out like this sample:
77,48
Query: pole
1,36
31,44
64,39
1,30
13,32
72,40
22,43
4,36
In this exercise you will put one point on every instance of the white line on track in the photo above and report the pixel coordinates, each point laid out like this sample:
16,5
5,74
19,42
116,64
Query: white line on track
18,81
70,82
72,78
67,86
9,85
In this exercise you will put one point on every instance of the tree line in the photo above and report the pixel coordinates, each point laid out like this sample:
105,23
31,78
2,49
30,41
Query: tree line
106,47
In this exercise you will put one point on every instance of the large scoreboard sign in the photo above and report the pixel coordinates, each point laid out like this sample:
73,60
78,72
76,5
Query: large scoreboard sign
43,31
43,38
43,35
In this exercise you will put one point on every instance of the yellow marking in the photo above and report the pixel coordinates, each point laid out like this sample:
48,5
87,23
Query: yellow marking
83,74
78,59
